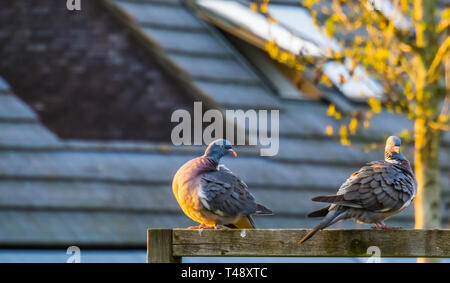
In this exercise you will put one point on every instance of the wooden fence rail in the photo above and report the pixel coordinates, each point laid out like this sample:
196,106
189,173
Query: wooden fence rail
170,245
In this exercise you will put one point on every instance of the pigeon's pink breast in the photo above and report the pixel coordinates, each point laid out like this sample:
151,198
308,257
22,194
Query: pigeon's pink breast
186,183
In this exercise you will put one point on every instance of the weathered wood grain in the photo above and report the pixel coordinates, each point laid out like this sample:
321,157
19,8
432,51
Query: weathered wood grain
329,243
159,246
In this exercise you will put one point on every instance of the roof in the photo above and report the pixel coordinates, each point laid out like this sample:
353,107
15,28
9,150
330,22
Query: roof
55,192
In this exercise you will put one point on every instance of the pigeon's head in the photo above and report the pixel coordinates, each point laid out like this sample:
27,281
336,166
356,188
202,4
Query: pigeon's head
218,148
392,150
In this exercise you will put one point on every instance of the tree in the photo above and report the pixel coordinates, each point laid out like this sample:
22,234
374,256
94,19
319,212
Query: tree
403,45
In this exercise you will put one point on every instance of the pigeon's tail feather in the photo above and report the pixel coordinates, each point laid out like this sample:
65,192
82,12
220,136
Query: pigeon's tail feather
331,218
335,199
319,213
310,234
262,210
244,222
329,198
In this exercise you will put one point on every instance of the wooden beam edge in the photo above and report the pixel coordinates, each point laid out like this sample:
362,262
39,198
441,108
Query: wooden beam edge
328,243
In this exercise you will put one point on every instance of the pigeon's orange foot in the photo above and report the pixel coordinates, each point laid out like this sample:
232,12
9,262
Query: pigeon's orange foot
195,227
201,226
382,226
209,227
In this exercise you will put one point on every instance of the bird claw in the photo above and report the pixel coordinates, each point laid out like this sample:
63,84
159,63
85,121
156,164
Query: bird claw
209,227
215,227
202,226
382,226
220,227
195,227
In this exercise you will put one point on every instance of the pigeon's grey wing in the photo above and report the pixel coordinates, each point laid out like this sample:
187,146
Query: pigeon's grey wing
378,187
225,194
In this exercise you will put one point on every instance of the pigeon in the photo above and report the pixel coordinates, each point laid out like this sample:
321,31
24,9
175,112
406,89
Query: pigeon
209,193
376,192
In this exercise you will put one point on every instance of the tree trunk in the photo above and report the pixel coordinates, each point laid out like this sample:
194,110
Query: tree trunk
427,139
426,167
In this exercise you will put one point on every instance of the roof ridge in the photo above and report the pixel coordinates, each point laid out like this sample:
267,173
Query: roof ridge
175,27
4,86
157,52
199,54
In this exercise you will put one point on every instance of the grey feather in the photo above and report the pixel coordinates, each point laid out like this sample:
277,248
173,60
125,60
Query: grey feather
225,192
375,192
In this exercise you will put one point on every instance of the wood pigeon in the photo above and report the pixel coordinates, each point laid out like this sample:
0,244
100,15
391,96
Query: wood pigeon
376,192
212,195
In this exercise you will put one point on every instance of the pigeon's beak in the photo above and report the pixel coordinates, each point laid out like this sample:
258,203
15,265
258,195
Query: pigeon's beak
397,149
232,152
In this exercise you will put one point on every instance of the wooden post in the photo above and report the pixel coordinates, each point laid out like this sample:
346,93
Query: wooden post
426,138
326,243
166,245
159,246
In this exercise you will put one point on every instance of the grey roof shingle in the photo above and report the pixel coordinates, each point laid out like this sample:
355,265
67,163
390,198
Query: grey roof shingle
160,14
202,54
4,86
238,95
214,69
13,109
32,135
180,41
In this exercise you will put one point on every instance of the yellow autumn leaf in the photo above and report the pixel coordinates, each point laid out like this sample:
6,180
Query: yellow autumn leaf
405,135
410,115
164,148
374,104
366,124
272,20
353,126
263,8
272,49
326,81
331,110
344,135
309,3
358,40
